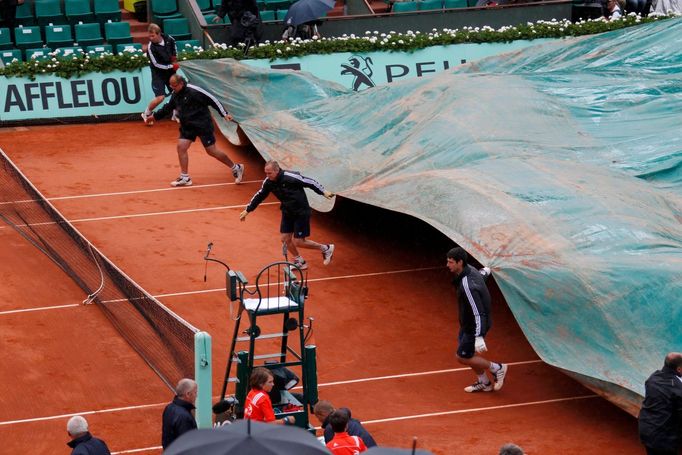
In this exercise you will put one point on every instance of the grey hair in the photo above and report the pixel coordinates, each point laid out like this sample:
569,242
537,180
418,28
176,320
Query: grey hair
77,425
184,386
511,449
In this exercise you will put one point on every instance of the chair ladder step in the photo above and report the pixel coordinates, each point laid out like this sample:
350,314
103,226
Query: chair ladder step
264,337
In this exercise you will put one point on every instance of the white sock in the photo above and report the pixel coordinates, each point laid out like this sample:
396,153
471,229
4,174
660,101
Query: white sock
147,112
299,259
494,367
184,176
483,378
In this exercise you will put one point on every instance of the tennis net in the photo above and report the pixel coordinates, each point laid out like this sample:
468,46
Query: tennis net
163,339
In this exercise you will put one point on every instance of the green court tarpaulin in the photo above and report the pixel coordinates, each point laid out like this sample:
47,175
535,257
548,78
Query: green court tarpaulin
559,166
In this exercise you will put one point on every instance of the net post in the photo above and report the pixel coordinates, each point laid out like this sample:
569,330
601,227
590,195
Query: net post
203,378
310,375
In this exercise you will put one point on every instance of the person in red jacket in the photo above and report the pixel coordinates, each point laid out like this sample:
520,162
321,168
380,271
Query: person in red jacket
343,443
258,405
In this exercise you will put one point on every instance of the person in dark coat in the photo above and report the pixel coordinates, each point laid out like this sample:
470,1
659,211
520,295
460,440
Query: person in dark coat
177,416
660,419
8,15
82,442
163,63
191,103
245,23
288,187
323,409
474,322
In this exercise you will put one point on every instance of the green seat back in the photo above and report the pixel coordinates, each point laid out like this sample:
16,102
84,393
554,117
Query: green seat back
401,7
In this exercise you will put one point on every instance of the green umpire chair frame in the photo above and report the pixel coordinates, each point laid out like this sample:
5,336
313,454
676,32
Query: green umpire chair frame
280,291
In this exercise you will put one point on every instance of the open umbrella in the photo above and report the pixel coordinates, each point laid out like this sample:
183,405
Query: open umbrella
245,437
307,10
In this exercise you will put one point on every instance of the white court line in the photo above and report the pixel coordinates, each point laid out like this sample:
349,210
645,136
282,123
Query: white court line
26,310
143,406
125,193
206,291
489,408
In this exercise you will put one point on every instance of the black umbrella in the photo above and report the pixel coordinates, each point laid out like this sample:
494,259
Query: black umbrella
245,437
307,10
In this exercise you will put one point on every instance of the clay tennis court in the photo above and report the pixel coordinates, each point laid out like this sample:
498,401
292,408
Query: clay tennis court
385,311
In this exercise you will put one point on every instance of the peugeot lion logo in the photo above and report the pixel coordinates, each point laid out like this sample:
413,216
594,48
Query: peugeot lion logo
361,69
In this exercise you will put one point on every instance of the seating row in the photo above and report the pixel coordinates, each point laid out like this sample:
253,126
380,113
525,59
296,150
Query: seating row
430,5
40,53
44,12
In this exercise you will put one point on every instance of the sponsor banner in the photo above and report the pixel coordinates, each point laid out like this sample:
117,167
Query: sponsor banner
91,94
364,70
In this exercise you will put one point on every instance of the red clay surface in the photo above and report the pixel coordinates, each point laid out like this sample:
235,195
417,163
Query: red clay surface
372,318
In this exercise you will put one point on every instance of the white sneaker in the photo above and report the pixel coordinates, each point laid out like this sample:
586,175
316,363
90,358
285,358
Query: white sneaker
328,253
499,376
479,386
145,117
301,264
182,181
238,173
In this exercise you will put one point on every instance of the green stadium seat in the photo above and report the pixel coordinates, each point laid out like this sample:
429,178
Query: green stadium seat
187,45
58,36
49,12
472,3
99,49
276,4
455,4
69,51
27,37
5,39
260,4
25,14
9,55
107,10
205,6
164,9
41,53
117,33
267,15
280,14
402,7
177,28
78,11
429,5
88,34
216,4
129,47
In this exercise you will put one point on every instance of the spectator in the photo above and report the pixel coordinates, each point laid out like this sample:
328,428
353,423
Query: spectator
82,442
294,228
511,449
177,416
258,405
163,63
660,419
474,321
343,443
613,10
192,104
244,26
323,409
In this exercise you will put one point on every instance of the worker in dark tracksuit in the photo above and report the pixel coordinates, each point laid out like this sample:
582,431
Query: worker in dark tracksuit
660,419
191,103
474,321
288,187
163,63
